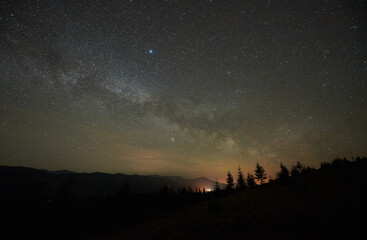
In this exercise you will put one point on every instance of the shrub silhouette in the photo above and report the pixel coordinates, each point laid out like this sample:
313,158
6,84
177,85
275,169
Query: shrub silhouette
340,163
297,169
250,180
308,170
283,175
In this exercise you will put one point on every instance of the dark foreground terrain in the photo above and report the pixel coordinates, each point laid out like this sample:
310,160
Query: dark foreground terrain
329,203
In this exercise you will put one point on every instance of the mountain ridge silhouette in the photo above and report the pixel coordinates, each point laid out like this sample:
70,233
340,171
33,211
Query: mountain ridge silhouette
18,181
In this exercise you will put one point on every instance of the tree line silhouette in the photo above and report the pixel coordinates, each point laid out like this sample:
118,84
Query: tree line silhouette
284,176
66,215
242,183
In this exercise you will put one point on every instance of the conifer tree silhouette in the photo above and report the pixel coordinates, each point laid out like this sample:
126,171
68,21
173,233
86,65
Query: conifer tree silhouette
229,182
216,187
240,180
260,174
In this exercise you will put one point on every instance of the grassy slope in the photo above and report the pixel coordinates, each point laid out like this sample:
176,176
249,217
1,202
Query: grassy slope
327,205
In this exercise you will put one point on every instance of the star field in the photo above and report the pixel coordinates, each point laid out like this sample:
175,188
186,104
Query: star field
191,88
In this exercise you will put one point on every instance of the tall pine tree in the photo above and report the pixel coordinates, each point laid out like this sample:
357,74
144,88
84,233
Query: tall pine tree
229,182
260,174
240,180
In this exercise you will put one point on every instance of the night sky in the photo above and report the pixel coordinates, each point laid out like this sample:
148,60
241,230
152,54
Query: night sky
190,88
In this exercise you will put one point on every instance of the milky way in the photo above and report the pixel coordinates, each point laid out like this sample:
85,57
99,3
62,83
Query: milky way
190,88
